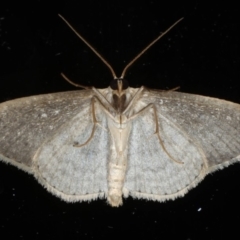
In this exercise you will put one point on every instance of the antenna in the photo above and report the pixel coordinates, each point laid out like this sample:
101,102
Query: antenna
131,62
147,47
85,41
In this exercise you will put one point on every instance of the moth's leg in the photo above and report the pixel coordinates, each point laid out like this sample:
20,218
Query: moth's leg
159,137
94,119
134,99
151,105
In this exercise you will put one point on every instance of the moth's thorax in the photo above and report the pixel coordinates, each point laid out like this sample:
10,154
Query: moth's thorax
119,88
120,132
120,121
120,104
119,101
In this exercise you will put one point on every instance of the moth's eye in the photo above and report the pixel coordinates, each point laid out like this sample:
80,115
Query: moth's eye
114,84
125,84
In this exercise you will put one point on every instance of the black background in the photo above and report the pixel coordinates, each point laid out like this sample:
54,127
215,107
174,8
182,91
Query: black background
201,55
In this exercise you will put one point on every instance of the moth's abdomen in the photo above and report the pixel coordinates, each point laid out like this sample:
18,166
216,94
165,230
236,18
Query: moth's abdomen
116,177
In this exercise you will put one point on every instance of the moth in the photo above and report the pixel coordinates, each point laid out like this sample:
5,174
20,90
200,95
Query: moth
119,141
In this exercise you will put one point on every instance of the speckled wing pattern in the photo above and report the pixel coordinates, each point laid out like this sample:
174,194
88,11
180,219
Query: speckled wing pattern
202,132
37,135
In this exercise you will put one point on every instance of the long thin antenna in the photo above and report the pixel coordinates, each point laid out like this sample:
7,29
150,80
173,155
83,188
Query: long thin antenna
108,65
148,46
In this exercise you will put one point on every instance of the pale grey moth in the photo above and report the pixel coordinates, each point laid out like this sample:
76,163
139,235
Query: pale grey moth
119,141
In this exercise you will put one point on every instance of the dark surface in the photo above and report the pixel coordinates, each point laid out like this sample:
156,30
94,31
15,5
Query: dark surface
201,55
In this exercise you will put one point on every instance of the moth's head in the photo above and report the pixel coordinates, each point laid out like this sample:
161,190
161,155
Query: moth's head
119,85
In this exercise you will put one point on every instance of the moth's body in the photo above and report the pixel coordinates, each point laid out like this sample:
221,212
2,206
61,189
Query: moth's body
120,127
118,162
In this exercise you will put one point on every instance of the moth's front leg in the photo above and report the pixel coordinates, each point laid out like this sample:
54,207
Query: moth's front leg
142,111
94,119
